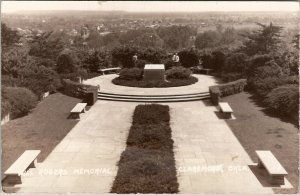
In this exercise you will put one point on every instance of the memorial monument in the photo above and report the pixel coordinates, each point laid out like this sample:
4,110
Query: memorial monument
154,72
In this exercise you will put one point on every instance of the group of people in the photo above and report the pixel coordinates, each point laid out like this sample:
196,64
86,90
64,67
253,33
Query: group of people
175,59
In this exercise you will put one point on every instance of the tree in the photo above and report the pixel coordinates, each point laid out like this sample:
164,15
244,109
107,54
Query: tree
236,62
218,60
149,40
188,58
46,46
67,62
123,55
257,61
207,39
39,79
152,55
8,36
295,41
12,60
263,41
175,37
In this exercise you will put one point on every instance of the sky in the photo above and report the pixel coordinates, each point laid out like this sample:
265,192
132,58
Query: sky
150,6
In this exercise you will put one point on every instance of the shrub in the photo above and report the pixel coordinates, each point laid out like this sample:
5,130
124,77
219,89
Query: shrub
67,62
284,99
236,62
155,83
232,87
178,73
207,60
20,100
262,86
232,76
131,74
140,63
257,61
218,60
188,58
226,89
79,90
168,64
151,114
215,94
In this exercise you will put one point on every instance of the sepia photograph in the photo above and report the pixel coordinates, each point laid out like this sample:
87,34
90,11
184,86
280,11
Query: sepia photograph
150,97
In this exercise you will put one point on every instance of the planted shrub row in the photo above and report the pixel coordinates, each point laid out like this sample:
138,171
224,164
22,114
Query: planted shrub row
82,91
147,165
218,91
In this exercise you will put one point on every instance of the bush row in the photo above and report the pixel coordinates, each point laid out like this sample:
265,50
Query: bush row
147,165
218,91
86,92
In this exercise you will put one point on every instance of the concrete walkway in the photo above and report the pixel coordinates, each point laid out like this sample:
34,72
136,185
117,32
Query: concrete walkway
86,159
209,158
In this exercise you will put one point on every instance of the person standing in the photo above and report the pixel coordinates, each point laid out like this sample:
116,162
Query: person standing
175,59
134,59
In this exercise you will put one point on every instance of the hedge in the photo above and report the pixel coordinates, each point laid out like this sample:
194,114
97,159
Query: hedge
218,91
88,93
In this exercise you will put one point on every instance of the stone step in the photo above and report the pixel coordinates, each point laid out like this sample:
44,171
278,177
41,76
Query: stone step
125,96
149,99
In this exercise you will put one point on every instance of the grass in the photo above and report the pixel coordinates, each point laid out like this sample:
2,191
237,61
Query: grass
147,165
42,129
157,84
258,129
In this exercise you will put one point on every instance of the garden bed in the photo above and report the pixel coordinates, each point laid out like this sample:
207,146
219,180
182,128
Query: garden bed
157,84
147,165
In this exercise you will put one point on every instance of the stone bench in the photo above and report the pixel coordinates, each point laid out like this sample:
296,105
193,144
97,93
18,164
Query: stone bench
275,170
20,166
225,110
79,108
109,70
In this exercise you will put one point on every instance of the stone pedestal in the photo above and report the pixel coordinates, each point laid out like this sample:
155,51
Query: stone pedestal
154,72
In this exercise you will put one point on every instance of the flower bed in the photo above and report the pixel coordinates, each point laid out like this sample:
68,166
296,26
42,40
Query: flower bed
133,77
147,165
158,84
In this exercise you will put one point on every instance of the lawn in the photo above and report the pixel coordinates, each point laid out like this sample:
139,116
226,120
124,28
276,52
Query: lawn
147,165
259,129
157,84
42,129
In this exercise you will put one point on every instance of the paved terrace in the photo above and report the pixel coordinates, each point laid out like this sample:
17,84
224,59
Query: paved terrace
96,142
108,87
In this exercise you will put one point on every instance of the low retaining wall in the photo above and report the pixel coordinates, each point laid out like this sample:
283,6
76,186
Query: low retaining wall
218,91
88,93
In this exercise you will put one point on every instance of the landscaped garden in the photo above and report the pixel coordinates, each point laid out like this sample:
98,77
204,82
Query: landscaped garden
147,165
264,61
175,77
